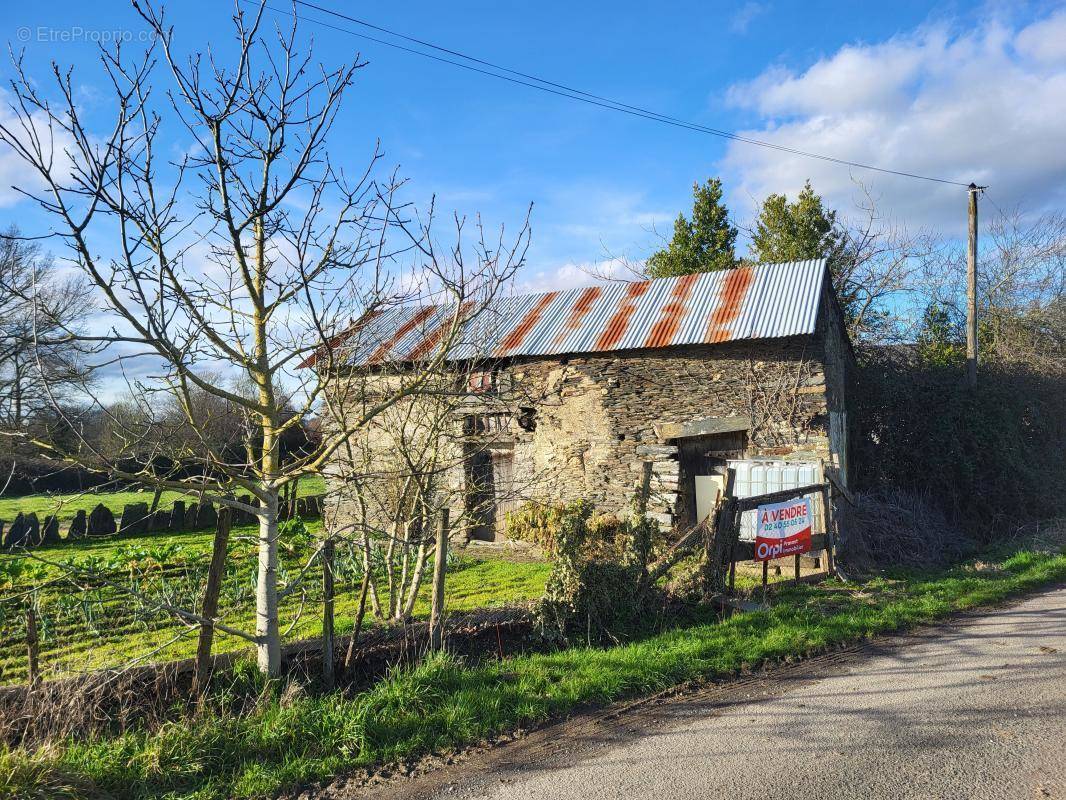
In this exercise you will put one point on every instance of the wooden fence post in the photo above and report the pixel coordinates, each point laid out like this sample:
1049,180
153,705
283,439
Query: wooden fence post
327,612
719,546
830,539
32,644
209,610
440,566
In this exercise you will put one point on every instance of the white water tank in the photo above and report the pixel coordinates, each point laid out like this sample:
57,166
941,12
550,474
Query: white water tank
761,476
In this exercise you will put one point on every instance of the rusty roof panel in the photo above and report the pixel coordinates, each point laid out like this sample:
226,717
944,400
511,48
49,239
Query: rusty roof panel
756,302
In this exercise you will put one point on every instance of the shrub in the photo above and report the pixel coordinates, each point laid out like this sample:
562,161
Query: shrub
986,458
889,528
536,523
598,584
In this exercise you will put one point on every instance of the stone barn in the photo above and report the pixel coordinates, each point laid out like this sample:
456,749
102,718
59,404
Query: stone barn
572,392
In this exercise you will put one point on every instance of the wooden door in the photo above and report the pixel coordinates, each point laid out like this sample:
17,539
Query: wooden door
503,486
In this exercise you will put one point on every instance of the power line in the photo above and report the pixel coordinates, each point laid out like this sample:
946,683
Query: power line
1002,213
562,90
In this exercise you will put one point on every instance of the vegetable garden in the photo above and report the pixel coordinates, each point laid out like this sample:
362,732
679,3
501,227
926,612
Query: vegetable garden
105,603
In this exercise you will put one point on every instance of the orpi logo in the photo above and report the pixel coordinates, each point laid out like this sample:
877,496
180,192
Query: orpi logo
765,551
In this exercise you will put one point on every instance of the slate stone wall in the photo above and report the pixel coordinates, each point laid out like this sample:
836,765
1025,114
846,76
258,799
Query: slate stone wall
581,427
599,418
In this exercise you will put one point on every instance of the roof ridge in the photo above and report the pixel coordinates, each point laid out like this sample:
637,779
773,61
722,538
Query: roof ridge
750,301
757,265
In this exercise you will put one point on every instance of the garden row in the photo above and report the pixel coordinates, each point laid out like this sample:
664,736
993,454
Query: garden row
137,519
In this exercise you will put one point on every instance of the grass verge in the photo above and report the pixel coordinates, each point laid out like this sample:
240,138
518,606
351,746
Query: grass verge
445,703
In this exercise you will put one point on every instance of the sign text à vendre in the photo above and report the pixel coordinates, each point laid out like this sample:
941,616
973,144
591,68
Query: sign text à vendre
783,529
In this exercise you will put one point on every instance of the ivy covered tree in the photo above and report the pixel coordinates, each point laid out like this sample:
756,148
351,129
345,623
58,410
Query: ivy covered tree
703,244
795,231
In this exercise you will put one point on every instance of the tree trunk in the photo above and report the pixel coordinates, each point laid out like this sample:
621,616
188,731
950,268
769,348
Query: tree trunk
268,650
421,557
359,615
375,602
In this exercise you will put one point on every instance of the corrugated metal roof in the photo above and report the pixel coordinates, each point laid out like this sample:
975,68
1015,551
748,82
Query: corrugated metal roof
758,302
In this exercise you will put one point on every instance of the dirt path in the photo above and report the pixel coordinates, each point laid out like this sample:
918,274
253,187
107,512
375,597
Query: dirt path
971,709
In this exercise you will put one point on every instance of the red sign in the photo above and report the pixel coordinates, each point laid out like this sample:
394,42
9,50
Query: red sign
783,529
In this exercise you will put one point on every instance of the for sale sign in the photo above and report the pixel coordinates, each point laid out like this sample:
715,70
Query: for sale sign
783,529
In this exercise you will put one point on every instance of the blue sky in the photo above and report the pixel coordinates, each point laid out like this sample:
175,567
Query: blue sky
959,90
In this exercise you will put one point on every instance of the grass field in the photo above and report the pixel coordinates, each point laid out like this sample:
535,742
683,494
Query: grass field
99,626
445,702
65,506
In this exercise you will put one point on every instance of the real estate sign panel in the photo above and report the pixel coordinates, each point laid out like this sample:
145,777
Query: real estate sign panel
783,529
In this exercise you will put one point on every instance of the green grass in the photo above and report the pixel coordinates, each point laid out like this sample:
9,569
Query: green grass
69,643
65,506
446,703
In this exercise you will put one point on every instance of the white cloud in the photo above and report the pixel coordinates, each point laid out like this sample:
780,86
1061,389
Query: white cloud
1045,41
574,275
745,15
15,173
984,105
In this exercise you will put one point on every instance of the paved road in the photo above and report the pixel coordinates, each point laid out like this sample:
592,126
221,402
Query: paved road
970,710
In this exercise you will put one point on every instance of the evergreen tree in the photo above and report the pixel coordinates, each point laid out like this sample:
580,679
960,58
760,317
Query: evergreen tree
704,244
806,229
941,341
795,231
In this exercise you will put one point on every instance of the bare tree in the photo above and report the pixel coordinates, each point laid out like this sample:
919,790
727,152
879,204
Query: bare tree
876,270
40,358
1021,288
250,253
390,485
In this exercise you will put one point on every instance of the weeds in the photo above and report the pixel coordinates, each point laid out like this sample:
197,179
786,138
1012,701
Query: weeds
445,703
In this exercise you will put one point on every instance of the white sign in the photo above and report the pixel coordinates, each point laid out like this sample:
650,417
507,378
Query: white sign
783,529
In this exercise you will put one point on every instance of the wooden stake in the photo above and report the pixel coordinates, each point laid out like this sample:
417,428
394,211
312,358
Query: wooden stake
364,587
327,613
209,609
971,291
797,558
719,546
32,643
644,490
440,566
830,539
765,579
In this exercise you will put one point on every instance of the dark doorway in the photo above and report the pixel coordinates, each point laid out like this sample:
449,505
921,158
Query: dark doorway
702,462
479,496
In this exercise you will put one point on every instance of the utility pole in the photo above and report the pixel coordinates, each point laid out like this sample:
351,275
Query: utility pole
971,290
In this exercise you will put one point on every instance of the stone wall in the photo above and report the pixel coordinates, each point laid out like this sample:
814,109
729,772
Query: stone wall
581,427
600,417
